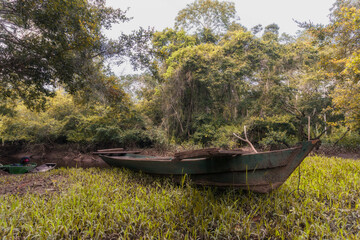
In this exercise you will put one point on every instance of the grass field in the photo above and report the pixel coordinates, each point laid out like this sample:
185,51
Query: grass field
113,203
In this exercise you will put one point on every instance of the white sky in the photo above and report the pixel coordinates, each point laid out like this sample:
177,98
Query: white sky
161,14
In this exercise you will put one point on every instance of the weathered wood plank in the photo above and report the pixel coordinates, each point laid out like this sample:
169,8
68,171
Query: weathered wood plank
231,152
206,152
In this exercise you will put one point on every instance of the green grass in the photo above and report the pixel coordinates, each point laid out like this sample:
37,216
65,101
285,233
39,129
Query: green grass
115,203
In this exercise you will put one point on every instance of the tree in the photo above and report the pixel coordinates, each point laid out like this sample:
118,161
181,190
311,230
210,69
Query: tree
345,60
208,18
47,44
340,58
166,43
200,85
346,99
205,82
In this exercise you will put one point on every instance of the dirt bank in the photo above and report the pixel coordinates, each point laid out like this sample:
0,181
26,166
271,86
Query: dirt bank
330,151
62,155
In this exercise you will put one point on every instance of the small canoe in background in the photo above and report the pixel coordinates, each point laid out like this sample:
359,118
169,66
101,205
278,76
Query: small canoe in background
258,172
18,168
44,167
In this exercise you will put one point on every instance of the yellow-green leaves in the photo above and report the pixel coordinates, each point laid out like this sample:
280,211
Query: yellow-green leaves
346,98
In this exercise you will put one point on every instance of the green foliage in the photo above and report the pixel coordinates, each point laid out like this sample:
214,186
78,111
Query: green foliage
136,137
272,132
204,134
169,41
47,44
206,77
273,139
224,137
26,126
233,79
64,120
340,56
239,78
346,98
107,135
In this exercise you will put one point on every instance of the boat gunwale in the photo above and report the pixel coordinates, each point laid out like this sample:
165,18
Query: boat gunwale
167,159
274,151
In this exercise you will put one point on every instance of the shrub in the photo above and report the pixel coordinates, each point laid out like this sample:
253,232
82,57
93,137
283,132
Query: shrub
143,138
224,136
107,136
275,140
205,134
272,132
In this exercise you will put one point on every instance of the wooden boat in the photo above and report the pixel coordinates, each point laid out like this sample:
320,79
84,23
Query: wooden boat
44,167
258,172
18,168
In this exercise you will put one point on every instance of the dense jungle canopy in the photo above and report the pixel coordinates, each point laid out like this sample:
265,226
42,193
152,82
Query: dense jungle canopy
202,80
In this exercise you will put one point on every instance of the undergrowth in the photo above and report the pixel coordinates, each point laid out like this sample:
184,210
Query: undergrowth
117,203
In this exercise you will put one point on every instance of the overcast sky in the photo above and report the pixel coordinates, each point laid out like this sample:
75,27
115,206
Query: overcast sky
161,13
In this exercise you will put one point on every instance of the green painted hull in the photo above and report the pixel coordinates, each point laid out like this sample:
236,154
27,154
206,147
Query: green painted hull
258,172
18,169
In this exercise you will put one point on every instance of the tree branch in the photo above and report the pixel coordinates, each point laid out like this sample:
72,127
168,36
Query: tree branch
348,129
246,140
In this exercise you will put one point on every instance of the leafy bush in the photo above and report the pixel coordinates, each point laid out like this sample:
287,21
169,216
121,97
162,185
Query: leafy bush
135,137
107,135
65,121
143,138
30,127
224,137
274,140
204,134
272,132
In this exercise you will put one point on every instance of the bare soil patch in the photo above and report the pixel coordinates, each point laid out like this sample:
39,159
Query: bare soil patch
33,183
2,173
330,151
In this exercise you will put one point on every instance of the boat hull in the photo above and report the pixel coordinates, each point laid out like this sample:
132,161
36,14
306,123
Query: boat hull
44,168
18,168
258,172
